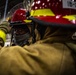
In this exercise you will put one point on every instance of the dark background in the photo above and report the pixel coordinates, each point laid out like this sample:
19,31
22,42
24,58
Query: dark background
11,3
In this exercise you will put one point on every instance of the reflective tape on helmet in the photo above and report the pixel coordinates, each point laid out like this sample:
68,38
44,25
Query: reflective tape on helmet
42,12
27,21
2,35
70,17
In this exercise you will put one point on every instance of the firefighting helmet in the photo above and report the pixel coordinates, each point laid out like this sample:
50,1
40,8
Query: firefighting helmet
53,11
20,30
19,15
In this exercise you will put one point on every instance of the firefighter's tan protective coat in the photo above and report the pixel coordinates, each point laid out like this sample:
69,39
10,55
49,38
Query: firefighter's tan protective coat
38,59
42,58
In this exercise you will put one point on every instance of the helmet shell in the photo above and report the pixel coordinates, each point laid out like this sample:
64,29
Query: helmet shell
55,5
19,15
57,12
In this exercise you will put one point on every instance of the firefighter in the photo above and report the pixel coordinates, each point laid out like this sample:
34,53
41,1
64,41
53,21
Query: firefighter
20,31
52,51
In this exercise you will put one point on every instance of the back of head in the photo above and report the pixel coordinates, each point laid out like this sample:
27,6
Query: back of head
57,14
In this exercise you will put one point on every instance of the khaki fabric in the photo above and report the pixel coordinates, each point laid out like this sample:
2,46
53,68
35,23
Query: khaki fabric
38,59
53,55
5,27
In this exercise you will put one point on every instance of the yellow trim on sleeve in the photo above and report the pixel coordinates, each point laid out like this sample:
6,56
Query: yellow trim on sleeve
2,35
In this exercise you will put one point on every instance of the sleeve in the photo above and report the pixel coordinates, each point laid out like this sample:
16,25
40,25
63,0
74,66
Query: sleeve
4,29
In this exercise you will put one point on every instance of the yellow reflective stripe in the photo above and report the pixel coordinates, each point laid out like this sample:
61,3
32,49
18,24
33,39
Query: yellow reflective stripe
70,17
27,21
2,35
42,12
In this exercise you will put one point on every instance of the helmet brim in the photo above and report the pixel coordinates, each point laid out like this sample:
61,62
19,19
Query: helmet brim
53,22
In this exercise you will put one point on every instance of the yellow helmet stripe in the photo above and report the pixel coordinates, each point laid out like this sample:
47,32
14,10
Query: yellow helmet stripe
27,21
70,17
42,12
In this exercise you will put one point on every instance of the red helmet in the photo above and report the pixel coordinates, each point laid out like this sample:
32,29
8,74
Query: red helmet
19,15
55,11
57,6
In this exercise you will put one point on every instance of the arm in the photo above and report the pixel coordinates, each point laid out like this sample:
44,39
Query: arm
4,29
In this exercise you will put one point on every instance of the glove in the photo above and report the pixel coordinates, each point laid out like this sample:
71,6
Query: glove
4,29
